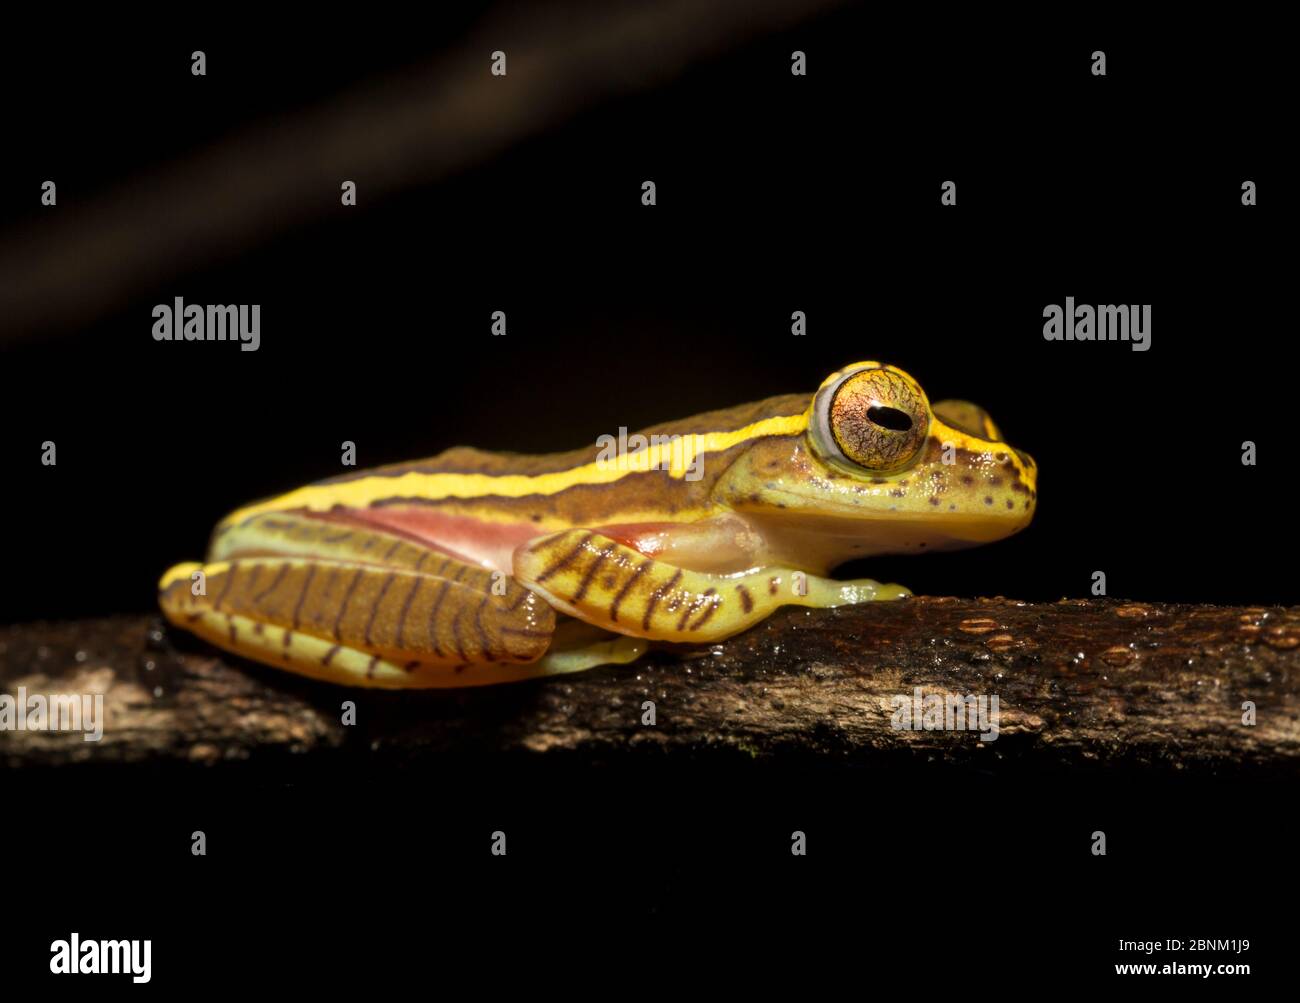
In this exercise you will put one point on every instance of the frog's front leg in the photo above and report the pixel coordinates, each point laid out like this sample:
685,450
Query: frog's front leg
613,586
359,607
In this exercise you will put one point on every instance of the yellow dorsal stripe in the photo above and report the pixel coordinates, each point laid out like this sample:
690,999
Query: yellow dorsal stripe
674,457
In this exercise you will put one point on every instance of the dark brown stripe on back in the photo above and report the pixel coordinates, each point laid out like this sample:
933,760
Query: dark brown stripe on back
465,460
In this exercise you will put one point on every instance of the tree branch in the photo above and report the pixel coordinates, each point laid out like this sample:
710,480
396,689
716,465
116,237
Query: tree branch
1078,682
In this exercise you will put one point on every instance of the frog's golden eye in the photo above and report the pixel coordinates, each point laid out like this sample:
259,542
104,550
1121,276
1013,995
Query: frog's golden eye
874,418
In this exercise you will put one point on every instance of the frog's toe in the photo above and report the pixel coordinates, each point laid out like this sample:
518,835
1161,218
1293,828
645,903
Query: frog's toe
851,593
574,656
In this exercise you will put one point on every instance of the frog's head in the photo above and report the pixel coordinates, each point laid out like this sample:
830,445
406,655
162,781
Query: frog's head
877,469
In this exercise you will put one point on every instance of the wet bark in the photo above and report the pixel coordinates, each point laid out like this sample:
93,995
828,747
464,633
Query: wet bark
1101,682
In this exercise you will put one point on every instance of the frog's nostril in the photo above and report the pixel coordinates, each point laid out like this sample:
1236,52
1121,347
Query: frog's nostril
890,418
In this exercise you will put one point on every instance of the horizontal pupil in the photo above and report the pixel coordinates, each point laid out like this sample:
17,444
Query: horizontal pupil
890,418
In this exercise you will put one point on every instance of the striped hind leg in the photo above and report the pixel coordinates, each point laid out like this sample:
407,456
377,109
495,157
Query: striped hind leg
615,587
354,606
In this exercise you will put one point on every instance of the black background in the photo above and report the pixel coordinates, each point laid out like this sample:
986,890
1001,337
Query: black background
776,193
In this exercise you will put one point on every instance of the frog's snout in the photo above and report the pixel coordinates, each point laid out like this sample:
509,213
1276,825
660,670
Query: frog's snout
998,491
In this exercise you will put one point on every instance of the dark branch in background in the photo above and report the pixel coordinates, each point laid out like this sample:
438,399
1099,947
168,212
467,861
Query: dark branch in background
1147,685
412,129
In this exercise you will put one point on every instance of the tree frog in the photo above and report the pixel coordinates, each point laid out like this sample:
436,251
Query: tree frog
476,567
